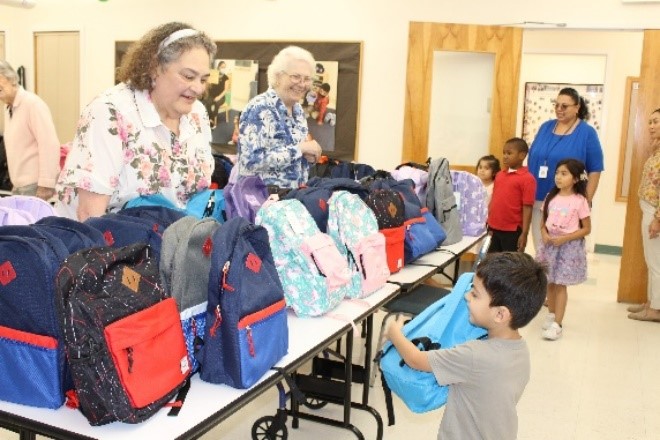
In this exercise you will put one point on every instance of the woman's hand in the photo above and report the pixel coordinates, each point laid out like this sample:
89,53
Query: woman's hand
654,228
45,193
311,151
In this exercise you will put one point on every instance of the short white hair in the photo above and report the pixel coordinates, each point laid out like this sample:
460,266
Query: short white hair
282,61
8,72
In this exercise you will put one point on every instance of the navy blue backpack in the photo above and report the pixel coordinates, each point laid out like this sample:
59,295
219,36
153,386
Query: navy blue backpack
74,234
315,199
246,321
33,370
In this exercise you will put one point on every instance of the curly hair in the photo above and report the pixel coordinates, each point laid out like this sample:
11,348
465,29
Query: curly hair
143,57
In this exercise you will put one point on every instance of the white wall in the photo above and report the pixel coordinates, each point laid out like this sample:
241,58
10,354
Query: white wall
382,26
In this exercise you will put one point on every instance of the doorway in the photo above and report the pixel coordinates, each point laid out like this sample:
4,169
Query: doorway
57,78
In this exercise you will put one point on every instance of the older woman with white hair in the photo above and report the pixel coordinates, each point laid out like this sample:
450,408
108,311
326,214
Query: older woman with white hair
33,149
148,134
273,132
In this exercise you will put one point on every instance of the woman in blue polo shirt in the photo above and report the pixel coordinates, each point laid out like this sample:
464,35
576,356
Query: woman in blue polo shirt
568,136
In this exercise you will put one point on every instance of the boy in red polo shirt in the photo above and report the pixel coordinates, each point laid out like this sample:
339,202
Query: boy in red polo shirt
510,210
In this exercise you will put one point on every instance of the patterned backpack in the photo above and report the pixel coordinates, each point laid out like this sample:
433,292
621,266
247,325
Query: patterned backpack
246,329
472,207
313,273
122,333
353,227
389,209
185,263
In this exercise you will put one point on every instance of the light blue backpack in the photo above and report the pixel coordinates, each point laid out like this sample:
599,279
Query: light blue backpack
314,275
443,324
354,228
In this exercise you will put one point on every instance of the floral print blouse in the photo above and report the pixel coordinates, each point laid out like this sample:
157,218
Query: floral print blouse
122,149
649,187
268,141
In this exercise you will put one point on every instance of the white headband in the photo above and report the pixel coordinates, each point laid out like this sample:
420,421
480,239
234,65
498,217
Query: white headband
174,36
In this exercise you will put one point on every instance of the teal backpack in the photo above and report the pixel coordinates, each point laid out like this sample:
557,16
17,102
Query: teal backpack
354,229
314,275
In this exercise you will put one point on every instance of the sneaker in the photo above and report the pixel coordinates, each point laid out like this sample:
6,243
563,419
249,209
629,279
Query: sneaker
549,319
553,332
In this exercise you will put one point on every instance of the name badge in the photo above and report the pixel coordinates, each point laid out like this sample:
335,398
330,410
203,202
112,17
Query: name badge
543,172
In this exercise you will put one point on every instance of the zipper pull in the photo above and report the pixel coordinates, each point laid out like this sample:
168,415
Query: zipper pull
217,322
129,355
225,270
250,341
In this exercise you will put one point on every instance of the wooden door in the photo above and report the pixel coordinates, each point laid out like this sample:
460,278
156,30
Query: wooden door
423,40
633,277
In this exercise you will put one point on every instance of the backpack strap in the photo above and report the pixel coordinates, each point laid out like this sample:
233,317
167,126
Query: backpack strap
180,398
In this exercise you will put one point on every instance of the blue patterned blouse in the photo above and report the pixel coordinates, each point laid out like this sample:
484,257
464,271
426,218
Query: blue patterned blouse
268,141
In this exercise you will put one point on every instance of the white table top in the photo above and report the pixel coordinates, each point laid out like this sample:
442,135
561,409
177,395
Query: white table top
446,254
428,265
208,404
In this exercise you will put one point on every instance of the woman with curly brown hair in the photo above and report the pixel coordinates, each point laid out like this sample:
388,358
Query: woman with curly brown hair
148,134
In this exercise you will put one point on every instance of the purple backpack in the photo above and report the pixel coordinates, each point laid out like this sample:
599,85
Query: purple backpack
11,216
244,197
34,206
471,199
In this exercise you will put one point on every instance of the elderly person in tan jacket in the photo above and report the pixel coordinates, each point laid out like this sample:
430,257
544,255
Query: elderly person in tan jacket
33,149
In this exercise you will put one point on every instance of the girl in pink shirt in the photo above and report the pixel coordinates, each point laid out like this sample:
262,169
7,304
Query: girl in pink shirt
567,221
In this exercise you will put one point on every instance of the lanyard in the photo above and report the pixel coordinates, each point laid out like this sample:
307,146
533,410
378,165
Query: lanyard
560,138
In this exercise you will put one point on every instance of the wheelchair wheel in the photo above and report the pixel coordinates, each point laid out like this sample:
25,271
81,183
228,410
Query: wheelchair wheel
268,428
314,403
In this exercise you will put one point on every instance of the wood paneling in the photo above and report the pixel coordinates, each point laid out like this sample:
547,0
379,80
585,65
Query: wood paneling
633,273
423,40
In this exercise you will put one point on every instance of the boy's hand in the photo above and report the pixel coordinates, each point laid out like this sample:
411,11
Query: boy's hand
395,326
522,242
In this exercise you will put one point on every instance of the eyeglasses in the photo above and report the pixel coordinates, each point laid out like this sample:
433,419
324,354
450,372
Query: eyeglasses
297,78
563,106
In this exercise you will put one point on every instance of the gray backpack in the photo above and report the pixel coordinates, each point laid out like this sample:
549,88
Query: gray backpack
185,262
441,201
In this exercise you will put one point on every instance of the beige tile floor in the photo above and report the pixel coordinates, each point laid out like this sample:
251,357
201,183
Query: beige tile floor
601,381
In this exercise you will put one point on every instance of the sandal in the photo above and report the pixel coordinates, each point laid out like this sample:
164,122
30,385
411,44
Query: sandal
635,308
644,315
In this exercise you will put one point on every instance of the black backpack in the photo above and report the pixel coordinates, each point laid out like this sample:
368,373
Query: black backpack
122,333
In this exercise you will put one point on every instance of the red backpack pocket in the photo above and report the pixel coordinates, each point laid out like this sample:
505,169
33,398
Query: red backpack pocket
394,238
149,352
